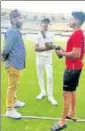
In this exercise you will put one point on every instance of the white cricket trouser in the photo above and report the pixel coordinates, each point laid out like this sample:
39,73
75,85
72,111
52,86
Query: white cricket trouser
45,62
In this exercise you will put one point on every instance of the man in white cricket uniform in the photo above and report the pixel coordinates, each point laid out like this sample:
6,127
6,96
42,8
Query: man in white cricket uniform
43,50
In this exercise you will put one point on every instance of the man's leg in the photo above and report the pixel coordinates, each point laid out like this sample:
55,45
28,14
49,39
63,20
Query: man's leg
40,75
49,74
67,102
15,94
72,111
13,77
48,69
75,81
17,103
62,123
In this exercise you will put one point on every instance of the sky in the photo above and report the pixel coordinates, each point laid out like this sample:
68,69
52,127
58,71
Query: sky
45,6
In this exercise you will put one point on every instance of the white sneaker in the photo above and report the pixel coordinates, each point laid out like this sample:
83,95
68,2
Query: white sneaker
53,101
40,96
19,103
13,114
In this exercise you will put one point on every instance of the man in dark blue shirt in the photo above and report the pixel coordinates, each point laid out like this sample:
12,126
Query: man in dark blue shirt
14,57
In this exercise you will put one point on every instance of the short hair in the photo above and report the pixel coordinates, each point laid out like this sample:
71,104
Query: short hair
14,13
45,20
79,15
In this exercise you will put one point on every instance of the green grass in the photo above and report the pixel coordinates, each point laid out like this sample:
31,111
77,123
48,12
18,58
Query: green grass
29,89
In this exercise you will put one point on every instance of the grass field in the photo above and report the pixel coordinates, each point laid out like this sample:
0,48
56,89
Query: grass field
29,89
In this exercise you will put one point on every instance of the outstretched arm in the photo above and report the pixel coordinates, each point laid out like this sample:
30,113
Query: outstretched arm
75,53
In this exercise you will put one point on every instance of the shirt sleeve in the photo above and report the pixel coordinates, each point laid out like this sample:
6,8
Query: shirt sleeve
77,40
9,41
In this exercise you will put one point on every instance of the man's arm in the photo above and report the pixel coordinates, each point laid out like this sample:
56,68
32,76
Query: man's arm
46,48
75,53
9,41
48,44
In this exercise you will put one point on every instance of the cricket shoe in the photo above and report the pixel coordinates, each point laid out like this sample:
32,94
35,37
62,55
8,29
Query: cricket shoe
52,101
40,96
19,103
12,113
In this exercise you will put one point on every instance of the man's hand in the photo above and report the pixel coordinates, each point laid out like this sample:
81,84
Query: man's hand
2,59
53,46
48,45
60,52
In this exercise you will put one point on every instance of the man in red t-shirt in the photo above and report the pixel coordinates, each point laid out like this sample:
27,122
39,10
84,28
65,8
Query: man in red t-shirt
74,54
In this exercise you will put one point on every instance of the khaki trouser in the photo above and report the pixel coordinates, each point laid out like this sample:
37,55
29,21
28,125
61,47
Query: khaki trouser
13,83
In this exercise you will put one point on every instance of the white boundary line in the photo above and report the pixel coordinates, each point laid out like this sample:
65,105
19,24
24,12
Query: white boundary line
44,118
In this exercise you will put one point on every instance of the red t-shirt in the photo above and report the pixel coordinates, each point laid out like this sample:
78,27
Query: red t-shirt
75,41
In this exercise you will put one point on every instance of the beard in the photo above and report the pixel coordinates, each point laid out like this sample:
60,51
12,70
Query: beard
18,25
